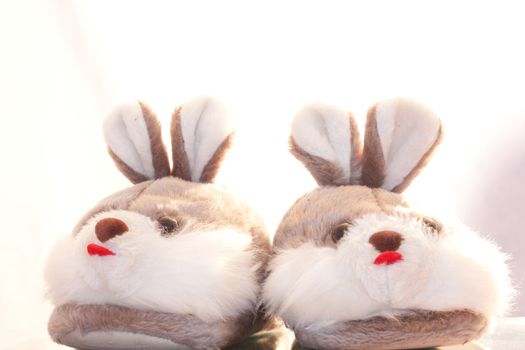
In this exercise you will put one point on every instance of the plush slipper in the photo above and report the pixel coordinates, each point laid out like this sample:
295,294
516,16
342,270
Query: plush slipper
172,262
417,329
355,266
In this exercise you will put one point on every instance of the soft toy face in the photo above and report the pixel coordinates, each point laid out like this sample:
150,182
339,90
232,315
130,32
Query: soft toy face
390,254
354,265
154,253
171,262
373,255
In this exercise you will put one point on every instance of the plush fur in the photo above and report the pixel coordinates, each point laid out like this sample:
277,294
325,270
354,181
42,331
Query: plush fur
357,152
206,273
71,324
178,274
133,135
161,164
192,204
323,285
373,161
414,329
311,284
322,135
202,209
400,137
212,167
181,164
314,216
117,200
324,172
204,126
99,340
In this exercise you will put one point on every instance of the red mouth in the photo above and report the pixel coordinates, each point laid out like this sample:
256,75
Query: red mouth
95,249
388,258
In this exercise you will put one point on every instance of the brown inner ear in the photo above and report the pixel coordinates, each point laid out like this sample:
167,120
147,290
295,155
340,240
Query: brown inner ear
159,156
181,165
373,170
212,167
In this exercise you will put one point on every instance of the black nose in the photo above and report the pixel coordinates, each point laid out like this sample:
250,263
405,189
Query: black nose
386,241
108,228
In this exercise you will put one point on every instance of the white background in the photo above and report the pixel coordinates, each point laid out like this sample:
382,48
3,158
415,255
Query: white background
63,64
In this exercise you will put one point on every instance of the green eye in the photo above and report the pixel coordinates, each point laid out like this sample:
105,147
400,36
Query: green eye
432,224
168,225
340,231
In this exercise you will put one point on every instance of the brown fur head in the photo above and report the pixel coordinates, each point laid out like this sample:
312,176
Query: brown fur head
315,216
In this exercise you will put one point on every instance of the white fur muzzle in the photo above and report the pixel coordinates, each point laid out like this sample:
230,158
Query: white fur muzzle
455,269
208,273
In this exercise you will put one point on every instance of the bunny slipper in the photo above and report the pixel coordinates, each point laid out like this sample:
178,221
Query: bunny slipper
356,267
171,262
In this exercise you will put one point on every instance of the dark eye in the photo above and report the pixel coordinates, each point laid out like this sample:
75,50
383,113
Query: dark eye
432,224
340,231
168,225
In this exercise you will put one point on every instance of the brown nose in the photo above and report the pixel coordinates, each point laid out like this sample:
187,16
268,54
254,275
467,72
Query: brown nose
386,241
108,228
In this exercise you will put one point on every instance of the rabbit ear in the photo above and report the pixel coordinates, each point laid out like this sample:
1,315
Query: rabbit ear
133,136
201,133
400,137
326,140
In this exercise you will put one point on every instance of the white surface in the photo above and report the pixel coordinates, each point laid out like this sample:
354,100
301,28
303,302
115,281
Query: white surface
65,64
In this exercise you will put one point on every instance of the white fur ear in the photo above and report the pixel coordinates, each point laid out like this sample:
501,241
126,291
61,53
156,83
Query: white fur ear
400,136
206,130
133,136
326,140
